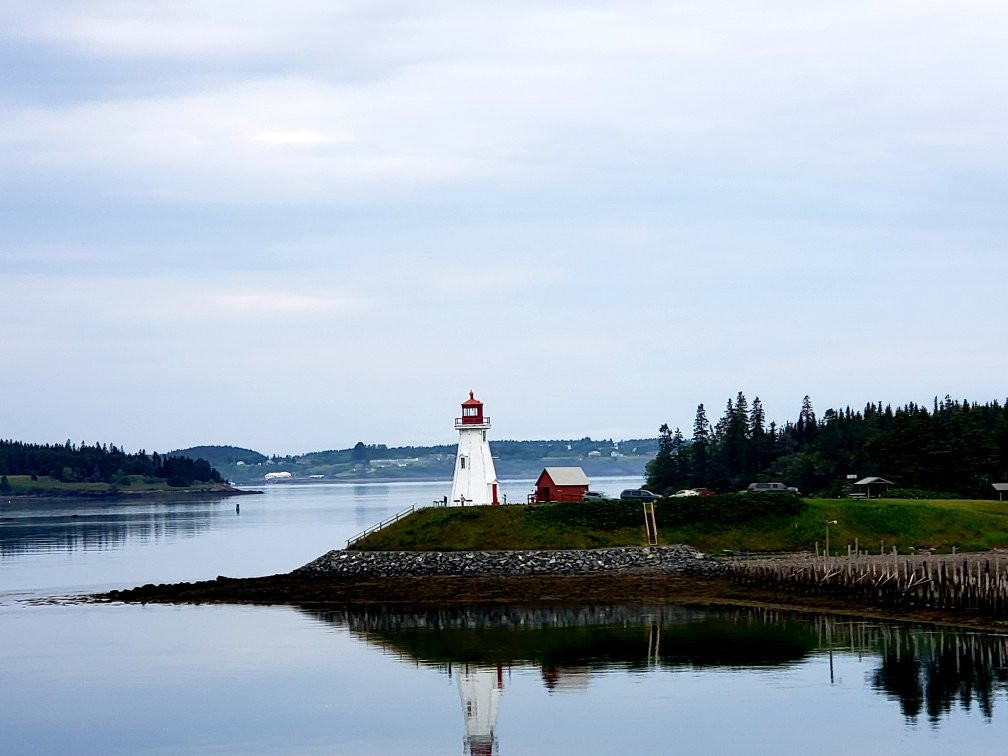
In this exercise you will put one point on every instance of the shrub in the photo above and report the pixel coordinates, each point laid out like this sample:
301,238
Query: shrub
722,509
918,493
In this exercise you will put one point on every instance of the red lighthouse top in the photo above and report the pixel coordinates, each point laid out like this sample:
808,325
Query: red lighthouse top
472,411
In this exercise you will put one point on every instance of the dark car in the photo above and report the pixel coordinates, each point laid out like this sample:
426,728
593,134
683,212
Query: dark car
770,488
639,494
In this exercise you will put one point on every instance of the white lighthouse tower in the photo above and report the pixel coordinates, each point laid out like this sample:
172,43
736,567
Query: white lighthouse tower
475,480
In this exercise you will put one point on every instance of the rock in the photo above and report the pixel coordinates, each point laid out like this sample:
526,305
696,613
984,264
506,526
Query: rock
675,559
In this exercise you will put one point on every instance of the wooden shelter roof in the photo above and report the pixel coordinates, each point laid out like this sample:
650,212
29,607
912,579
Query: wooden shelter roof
872,480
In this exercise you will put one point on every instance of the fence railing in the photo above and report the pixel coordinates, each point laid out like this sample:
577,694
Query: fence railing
383,524
443,502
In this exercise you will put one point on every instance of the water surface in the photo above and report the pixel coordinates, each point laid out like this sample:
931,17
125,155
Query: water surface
595,679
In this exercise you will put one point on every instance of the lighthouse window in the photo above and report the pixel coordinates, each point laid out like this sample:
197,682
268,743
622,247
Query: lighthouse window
462,460
484,435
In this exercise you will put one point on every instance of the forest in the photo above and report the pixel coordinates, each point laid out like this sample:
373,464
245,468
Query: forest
72,463
955,448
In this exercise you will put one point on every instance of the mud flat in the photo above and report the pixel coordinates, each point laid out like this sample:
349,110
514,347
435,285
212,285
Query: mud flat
695,580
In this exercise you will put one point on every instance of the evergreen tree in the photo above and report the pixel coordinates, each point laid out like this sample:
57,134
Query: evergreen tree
757,436
807,419
700,446
360,453
959,447
661,472
681,457
741,462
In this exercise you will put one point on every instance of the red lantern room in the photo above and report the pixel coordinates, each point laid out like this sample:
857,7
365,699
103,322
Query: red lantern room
472,411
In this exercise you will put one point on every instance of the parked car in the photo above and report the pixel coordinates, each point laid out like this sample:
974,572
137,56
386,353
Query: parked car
639,494
593,496
685,492
705,491
770,488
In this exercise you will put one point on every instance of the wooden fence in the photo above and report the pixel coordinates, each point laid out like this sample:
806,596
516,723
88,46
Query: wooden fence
977,582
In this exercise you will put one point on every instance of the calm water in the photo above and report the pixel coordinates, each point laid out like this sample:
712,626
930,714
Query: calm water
128,679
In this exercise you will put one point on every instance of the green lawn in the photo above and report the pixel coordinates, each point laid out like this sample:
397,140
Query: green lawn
938,524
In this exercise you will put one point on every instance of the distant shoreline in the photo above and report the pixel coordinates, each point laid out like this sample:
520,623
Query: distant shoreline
85,495
505,477
447,479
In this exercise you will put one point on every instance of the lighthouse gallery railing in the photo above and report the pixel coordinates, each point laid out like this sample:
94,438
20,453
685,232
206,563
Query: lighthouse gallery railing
466,422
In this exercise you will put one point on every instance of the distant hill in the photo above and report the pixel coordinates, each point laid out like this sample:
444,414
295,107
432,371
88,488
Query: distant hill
363,462
221,456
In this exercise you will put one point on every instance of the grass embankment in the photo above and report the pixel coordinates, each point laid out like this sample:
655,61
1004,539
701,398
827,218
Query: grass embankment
45,486
936,524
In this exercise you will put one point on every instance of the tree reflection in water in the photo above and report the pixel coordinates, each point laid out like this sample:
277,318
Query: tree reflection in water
37,528
923,668
932,671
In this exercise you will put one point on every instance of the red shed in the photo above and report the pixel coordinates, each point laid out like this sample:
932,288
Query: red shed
561,484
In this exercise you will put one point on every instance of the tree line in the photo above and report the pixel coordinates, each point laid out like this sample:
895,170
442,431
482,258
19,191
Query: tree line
955,447
100,463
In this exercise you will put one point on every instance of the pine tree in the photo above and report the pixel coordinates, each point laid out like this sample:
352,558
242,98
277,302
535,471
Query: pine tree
757,435
741,460
681,456
701,444
808,417
661,470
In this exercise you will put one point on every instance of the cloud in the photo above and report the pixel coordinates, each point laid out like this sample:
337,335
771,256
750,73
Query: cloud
297,138
275,139
112,302
457,99
693,188
265,302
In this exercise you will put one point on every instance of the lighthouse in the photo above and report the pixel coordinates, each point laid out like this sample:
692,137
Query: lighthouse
475,480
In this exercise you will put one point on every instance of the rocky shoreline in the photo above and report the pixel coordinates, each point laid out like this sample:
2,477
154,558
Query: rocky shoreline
679,559
666,575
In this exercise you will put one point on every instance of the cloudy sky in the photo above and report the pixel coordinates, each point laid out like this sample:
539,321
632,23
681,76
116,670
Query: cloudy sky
292,226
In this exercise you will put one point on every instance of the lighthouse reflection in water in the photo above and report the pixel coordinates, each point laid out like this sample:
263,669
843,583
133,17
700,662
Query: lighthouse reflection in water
480,692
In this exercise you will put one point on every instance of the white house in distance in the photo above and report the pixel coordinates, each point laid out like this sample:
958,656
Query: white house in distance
475,480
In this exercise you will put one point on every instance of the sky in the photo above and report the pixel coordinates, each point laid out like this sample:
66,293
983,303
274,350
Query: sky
294,226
